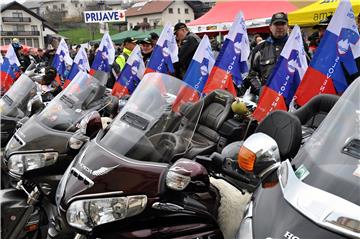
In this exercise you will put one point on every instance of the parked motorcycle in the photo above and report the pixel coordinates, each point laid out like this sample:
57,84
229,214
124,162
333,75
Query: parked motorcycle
143,186
315,194
40,151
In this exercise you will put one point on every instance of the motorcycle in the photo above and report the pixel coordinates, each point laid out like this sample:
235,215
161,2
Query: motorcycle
315,193
40,151
143,187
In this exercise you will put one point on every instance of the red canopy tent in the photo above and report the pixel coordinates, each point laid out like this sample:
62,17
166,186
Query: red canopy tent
257,15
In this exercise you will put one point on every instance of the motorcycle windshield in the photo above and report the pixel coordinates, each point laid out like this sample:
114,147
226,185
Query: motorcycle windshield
329,160
68,107
14,102
158,121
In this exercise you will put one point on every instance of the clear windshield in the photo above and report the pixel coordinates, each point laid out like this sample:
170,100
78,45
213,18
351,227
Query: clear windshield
154,125
14,102
68,107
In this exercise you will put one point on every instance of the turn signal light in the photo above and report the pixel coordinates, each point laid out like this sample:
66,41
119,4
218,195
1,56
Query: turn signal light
246,159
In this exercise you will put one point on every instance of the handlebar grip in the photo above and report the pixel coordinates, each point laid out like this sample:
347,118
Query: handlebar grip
235,175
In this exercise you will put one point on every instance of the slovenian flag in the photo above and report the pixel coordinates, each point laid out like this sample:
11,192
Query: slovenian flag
338,49
165,53
105,56
81,63
231,64
131,75
197,73
61,59
10,70
285,78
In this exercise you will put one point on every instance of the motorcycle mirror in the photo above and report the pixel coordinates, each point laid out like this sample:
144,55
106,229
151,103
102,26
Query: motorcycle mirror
77,140
187,175
90,124
259,155
35,105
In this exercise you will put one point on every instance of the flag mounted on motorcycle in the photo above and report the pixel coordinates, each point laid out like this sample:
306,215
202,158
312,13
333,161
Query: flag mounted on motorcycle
165,53
231,64
81,63
10,69
131,75
61,60
105,55
285,78
197,73
338,49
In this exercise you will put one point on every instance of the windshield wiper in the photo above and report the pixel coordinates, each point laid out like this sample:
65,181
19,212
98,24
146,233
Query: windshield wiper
135,120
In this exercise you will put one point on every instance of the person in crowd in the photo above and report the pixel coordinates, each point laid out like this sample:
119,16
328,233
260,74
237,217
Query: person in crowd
256,41
129,45
50,54
41,55
49,86
264,56
188,42
34,56
17,47
146,49
154,38
24,58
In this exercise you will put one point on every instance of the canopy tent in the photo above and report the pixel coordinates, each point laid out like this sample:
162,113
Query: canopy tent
313,13
139,35
257,15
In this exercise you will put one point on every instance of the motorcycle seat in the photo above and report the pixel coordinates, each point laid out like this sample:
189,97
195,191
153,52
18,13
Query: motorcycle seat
314,112
285,129
217,108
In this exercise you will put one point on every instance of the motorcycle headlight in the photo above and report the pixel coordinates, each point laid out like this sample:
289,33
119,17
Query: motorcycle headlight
86,214
20,163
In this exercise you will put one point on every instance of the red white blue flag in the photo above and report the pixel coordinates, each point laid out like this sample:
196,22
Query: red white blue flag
285,78
81,63
338,49
105,56
231,64
197,73
165,53
9,69
131,75
62,58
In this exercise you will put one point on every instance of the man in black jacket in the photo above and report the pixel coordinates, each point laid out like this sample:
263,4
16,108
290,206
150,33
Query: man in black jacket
188,43
265,55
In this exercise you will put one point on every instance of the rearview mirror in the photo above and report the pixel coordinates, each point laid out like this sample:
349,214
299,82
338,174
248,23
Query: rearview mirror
90,124
35,105
259,155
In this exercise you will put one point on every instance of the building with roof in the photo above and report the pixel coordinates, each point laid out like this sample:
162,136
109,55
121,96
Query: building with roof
17,21
69,9
152,14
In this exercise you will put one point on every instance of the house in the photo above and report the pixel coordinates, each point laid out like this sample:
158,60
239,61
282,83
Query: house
68,10
151,14
18,21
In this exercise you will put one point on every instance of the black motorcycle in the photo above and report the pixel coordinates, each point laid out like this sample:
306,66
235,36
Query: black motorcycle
40,151
143,187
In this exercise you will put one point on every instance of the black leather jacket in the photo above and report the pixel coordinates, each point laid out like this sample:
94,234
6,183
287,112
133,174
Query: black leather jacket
186,52
264,57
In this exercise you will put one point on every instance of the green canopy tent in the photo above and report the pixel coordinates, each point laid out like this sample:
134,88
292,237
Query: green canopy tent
139,35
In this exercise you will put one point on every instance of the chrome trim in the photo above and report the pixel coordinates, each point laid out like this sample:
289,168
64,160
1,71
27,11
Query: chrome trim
141,163
94,196
269,169
320,206
91,183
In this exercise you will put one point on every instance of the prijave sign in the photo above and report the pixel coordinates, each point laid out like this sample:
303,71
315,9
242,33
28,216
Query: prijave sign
104,16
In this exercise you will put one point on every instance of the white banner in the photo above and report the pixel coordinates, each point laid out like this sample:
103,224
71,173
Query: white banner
104,16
